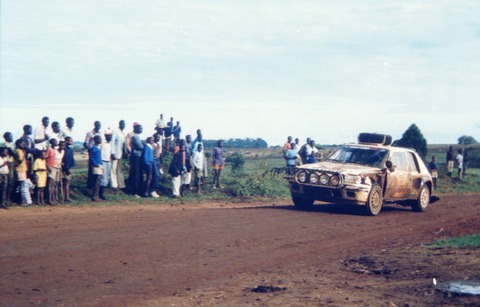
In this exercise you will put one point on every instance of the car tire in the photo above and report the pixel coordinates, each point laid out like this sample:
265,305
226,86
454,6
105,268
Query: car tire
421,204
375,200
302,203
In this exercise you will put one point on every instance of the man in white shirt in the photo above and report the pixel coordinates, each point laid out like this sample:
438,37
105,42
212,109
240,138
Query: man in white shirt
198,167
459,159
40,135
118,144
106,162
67,131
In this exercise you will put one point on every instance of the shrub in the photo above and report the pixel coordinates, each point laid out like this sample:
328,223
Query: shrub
237,161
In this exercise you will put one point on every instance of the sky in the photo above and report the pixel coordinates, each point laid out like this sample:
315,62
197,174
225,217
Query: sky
236,69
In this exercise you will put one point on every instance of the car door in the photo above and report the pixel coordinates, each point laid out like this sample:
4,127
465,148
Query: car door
414,176
398,180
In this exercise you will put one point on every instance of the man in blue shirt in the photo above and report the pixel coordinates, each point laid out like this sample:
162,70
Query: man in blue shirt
95,159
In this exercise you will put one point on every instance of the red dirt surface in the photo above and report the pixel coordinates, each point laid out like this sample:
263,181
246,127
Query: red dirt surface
220,253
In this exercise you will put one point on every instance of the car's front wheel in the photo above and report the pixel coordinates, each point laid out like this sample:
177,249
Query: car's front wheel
375,200
421,204
302,203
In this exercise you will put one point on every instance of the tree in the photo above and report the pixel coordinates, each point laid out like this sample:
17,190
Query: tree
413,138
466,140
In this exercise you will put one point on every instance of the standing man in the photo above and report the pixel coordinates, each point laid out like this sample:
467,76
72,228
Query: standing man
134,178
291,158
40,136
158,151
450,158
177,130
160,125
106,150
168,135
68,164
218,164
56,133
434,171
4,171
459,159
67,131
88,144
177,168
9,159
287,145
29,148
118,144
95,159
198,165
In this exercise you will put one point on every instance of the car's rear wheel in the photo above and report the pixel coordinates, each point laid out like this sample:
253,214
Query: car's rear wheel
421,204
375,200
302,203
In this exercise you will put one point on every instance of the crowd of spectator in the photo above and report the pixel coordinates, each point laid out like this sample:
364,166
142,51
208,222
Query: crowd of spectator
37,167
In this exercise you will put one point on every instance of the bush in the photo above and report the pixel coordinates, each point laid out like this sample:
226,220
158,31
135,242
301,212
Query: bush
237,161
262,184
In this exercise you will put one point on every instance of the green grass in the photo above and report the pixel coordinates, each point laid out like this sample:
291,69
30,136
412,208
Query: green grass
458,242
469,184
257,178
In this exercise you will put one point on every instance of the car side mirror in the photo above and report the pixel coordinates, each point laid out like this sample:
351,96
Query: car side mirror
389,165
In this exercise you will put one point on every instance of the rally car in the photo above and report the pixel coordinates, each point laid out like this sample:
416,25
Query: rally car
368,173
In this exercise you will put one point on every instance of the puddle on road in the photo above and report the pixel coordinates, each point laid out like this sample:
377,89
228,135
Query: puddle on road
460,287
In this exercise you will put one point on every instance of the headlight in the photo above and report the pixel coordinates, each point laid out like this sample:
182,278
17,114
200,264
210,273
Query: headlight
324,179
313,178
335,180
352,179
302,176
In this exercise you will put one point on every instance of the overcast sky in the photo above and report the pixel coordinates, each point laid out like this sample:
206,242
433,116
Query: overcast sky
269,69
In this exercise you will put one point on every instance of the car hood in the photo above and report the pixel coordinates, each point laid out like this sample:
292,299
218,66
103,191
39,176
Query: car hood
342,168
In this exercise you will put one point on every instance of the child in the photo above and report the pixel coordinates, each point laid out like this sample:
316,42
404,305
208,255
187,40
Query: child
52,171
26,190
4,172
21,167
40,169
198,165
95,157
67,164
58,188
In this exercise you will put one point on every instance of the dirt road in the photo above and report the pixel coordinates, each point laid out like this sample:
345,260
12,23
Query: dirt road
205,254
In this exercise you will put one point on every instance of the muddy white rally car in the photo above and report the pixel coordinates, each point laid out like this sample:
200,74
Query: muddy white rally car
369,173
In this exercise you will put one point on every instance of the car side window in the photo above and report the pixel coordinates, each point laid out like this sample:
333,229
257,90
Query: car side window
412,163
399,159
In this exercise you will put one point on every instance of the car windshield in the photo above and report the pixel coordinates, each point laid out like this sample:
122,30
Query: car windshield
370,156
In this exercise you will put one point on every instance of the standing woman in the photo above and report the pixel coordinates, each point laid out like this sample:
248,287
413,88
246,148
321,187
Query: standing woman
218,164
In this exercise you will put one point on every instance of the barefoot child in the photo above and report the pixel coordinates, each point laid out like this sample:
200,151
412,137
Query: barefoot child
21,167
40,169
